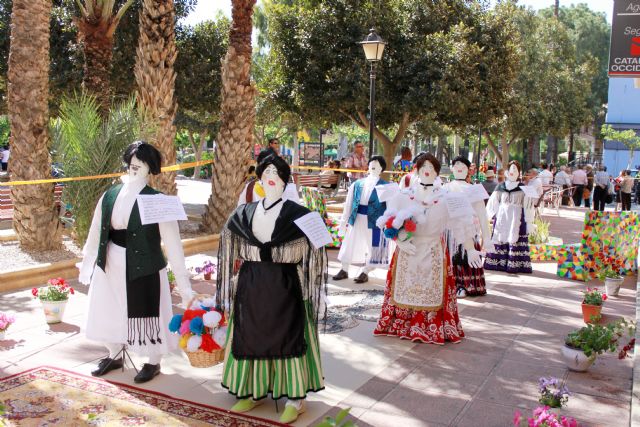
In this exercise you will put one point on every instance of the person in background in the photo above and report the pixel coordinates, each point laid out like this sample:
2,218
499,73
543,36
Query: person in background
5,158
330,165
490,183
626,186
579,181
404,164
500,176
587,194
563,179
535,181
274,144
475,176
600,189
357,160
545,175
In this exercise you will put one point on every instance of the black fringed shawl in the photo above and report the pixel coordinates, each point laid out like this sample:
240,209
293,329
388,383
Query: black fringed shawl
265,290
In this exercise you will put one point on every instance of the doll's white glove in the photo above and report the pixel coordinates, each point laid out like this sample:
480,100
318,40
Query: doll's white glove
342,229
84,276
406,246
488,246
186,296
474,259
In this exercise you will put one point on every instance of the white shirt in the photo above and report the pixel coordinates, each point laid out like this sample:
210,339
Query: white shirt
562,178
546,177
537,184
579,177
5,156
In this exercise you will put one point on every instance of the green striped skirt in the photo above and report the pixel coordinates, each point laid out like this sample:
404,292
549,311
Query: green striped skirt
292,377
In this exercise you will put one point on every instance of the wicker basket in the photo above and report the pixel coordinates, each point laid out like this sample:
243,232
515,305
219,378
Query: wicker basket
202,359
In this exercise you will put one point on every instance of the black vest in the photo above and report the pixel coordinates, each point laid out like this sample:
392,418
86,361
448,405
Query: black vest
144,254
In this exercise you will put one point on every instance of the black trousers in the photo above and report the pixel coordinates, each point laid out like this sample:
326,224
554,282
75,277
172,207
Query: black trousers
577,195
599,198
626,201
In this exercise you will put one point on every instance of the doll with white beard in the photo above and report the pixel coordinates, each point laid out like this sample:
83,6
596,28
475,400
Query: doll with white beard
514,213
470,281
420,295
274,298
129,294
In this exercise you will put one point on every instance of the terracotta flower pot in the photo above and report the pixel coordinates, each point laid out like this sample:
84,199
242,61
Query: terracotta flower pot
207,276
589,310
54,310
612,284
576,360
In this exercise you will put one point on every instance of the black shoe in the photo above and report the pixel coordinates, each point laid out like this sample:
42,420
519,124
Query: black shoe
107,365
147,373
362,278
341,275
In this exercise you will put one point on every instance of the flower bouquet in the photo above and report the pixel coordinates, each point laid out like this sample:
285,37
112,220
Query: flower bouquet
592,304
203,332
6,320
552,393
53,296
403,230
207,269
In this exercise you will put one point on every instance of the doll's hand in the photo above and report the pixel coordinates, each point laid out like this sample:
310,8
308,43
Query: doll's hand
488,247
406,246
186,297
342,230
474,259
84,276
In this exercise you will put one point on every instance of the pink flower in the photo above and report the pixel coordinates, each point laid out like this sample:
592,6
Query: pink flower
72,291
34,292
516,418
604,297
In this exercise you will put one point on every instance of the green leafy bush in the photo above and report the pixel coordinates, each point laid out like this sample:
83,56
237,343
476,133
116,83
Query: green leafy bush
541,234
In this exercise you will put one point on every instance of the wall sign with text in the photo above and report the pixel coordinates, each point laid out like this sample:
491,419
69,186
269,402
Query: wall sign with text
624,51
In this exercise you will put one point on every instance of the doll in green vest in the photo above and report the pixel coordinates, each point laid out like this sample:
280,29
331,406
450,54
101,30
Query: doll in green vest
129,295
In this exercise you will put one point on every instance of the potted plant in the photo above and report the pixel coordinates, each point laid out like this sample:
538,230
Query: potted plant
552,392
610,276
53,296
592,304
542,417
584,344
207,269
172,279
6,320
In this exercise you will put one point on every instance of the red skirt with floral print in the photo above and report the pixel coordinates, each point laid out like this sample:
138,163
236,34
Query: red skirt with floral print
433,327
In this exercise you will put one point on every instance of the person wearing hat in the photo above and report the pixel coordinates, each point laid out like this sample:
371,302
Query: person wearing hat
490,183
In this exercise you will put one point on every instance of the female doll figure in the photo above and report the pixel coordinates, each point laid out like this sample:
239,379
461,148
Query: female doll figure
514,213
470,281
129,296
420,295
272,342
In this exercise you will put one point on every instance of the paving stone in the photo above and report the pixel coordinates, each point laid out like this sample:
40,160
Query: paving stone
485,414
425,405
444,381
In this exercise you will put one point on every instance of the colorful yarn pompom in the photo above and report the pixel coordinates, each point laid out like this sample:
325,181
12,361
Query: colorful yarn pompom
175,322
410,226
194,343
184,327
196,326
208,344
389,222
192,314
211,319
220,336
390,233
183,340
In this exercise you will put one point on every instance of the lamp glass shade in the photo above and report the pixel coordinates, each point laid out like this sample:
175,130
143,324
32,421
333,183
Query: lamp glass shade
373,50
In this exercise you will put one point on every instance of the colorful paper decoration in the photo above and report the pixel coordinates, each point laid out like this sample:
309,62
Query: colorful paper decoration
314,200
571,262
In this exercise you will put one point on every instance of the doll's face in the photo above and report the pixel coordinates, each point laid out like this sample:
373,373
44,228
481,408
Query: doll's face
138,170
460,170
375,169
427,173
272,183
513,174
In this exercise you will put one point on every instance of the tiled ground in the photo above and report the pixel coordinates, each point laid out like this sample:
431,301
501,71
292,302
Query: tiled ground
514,336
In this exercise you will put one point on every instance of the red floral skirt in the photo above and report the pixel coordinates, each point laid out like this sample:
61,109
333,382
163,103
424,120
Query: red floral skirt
433,327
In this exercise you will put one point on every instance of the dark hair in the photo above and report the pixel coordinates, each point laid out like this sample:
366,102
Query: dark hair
380,160
461,159
272,140
405,151
491,168
516,163
356,142
543,165
252,169
415,159
146,153
264,153
284,171
424,157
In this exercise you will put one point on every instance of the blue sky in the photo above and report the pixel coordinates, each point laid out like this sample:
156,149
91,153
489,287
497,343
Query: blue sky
207,9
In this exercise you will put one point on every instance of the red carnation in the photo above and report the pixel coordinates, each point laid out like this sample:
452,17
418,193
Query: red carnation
34,292
71,290
604,297
410,226
389,223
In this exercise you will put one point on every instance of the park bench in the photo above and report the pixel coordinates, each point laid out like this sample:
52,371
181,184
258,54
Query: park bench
320,182
6,204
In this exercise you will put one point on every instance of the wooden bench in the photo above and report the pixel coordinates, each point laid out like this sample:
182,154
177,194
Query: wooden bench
321,182
6,204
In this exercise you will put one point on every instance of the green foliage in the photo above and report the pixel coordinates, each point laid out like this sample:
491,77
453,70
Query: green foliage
87,145
628,137
339,421
595,339
541,233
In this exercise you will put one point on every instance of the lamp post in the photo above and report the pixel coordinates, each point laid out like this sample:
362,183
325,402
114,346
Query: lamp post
373,47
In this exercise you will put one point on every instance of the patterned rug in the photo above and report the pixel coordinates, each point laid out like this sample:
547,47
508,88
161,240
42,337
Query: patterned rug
48,396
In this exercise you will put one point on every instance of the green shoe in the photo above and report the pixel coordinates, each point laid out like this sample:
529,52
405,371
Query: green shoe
245,405
291,414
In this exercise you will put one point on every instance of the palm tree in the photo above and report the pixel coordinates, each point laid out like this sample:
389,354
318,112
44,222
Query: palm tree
35,219
156,79
96,27
235,138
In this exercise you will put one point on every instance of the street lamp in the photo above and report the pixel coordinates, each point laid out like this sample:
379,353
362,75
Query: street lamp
373,47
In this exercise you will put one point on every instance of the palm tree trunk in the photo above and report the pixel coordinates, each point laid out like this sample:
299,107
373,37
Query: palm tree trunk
156,78
35,219
238,113
97,46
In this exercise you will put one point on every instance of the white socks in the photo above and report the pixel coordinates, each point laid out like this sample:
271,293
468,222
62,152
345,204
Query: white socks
295,403
114,349
155,359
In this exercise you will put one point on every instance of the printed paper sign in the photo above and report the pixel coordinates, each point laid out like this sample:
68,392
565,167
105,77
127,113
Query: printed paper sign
313,226
458,206
160,208
476,193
